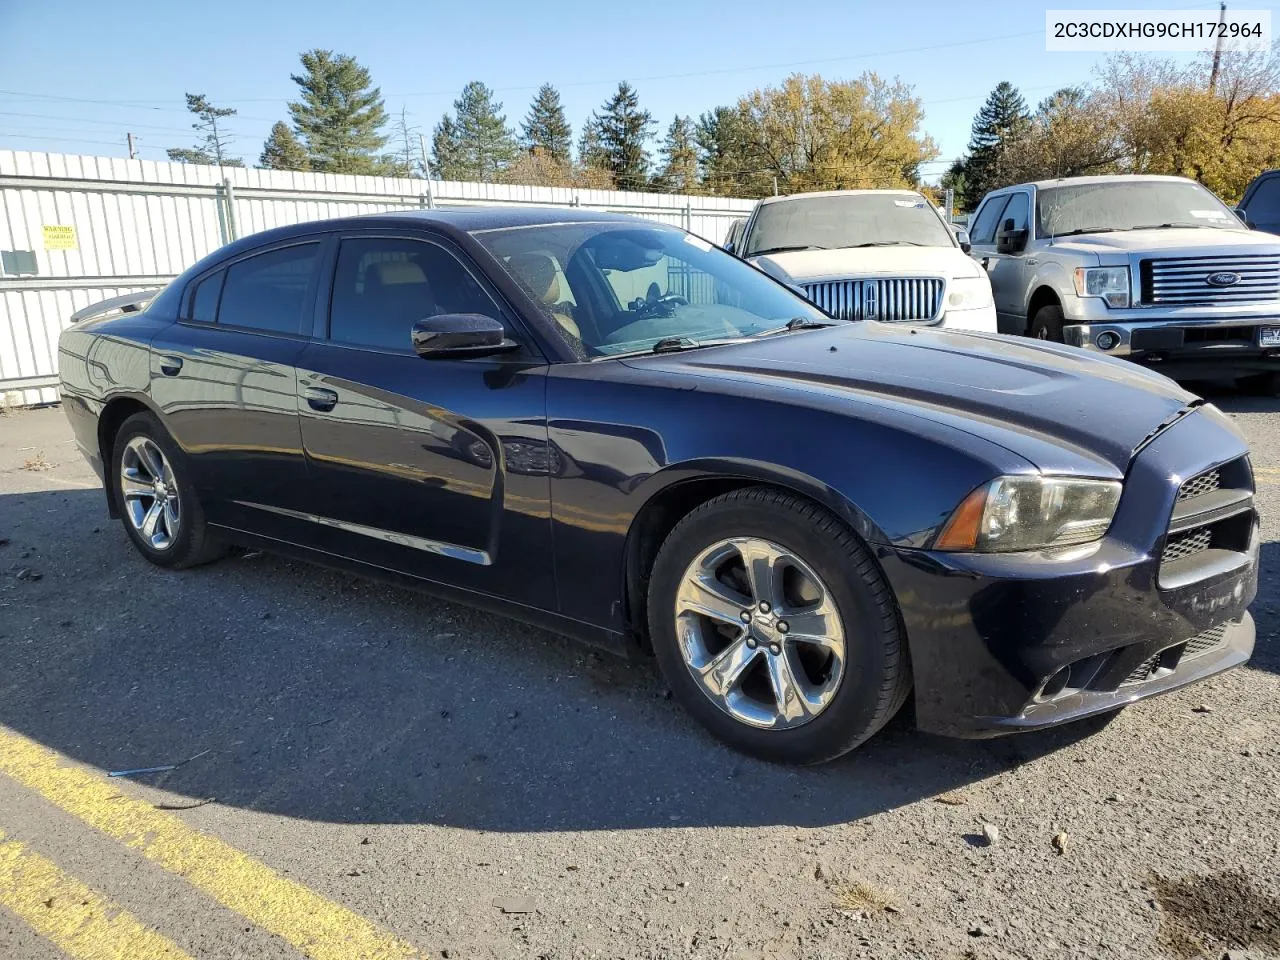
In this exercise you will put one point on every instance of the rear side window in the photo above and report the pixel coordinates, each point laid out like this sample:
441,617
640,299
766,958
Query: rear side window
984,226
382,285
269,292
204,301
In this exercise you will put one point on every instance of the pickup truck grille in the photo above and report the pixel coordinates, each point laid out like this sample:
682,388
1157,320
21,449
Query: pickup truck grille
1212,526
1186,280
887,300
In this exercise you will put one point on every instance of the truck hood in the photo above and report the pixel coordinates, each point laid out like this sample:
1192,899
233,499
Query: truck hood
1045,402
803,266
1167,243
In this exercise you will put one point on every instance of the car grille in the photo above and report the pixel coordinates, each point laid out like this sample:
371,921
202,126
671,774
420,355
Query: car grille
1178,547
1212,524
1205,483
1166,661
1185,280
887,300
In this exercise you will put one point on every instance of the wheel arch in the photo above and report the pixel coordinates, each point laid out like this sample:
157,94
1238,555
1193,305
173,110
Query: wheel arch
114,413
677,491
1042,296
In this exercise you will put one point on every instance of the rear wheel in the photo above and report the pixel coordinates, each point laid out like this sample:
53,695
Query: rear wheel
157,500
775,627
1047,323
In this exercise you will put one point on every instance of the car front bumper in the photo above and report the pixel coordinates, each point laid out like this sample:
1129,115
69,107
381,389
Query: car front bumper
1008,642
1227,340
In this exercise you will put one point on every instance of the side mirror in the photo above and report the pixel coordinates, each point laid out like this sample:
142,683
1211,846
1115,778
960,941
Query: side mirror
460,335
1244,218
728,247
962,238
1009,240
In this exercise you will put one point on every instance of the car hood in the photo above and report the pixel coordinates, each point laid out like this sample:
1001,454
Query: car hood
803,266
1034,399
1190,241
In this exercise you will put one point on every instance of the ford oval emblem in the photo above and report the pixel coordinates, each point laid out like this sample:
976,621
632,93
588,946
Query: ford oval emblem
1224,279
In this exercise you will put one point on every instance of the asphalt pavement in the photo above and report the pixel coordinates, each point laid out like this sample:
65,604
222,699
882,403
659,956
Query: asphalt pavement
361,771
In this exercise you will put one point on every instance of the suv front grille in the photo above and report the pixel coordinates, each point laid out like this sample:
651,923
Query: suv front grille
1184,546
1185,280
1196,486
887,300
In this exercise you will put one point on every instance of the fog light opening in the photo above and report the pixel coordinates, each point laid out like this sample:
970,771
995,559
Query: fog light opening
1055,684
1107,340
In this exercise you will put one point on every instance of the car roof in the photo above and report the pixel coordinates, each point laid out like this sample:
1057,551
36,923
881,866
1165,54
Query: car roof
458,220
1105,178
837,193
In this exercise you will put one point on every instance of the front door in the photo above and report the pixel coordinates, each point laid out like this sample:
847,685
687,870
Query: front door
436,468
1008,270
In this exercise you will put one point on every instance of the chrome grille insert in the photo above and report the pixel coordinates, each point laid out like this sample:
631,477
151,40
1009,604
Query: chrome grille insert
889,300
1185,545
1198,486
1211,280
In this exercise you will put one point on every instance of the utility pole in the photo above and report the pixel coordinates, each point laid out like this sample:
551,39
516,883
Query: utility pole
133,151
426,169
1217,47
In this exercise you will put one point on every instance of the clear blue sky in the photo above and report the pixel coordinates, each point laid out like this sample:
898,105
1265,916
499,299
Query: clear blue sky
77,75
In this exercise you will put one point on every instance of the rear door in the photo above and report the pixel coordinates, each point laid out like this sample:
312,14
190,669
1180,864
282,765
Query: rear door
437,468
225,380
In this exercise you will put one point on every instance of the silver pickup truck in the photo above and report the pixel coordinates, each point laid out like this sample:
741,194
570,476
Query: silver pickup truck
1155,269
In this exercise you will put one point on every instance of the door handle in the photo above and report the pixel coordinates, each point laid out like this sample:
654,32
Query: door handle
170,366
318,398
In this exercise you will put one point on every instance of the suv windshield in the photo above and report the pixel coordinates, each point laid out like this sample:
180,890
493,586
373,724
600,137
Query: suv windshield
1128,205
848,220
617,287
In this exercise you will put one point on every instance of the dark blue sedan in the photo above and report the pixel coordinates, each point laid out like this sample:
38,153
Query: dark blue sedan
615,430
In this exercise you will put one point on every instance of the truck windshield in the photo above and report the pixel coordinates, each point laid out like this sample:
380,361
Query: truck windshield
850,220
1128,205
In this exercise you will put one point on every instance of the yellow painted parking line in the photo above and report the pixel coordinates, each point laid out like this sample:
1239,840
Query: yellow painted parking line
319,928
60,908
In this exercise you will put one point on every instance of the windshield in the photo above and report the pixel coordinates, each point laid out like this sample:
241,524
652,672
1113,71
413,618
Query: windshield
848,220
1128,205
617,287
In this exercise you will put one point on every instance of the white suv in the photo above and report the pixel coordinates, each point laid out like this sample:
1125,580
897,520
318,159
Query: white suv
882,255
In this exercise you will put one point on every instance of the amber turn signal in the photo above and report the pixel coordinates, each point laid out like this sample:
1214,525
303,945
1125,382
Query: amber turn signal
961,531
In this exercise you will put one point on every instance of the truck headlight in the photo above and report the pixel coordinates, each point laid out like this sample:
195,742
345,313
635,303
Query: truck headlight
1109,283
1031,513
969,293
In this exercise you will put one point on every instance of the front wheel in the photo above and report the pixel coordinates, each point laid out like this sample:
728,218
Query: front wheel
775,627
1047,324
1264,384
157,501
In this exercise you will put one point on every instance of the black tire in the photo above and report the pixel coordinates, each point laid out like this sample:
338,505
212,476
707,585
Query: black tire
877,675
193,544
1047,324
1261,384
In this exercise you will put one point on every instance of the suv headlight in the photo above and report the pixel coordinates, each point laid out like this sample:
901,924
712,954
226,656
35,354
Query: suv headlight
1031,513
1109,283
969,293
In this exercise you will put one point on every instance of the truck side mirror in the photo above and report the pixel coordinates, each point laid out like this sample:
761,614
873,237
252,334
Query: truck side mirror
1009,240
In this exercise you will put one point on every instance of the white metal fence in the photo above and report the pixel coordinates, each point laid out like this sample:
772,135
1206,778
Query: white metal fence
76,230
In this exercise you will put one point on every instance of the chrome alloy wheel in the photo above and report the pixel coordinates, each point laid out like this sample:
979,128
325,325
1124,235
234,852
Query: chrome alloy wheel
760,633
150,493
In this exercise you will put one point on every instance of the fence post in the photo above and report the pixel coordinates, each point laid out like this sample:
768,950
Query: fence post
688,215
231,209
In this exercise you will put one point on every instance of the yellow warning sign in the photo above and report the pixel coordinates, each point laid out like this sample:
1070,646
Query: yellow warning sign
60,238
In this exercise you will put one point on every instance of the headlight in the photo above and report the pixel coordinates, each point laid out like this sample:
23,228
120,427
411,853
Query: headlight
1109,283
1031,513
969,293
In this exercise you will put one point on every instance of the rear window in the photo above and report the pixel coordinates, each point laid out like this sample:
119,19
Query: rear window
204,300
269,291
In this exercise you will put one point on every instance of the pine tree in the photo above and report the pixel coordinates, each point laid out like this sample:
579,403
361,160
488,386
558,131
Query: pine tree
213,145
446,152
340,115
282,151
624,130
477,144
590,149
546,130
727,154
679,172
1002,119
